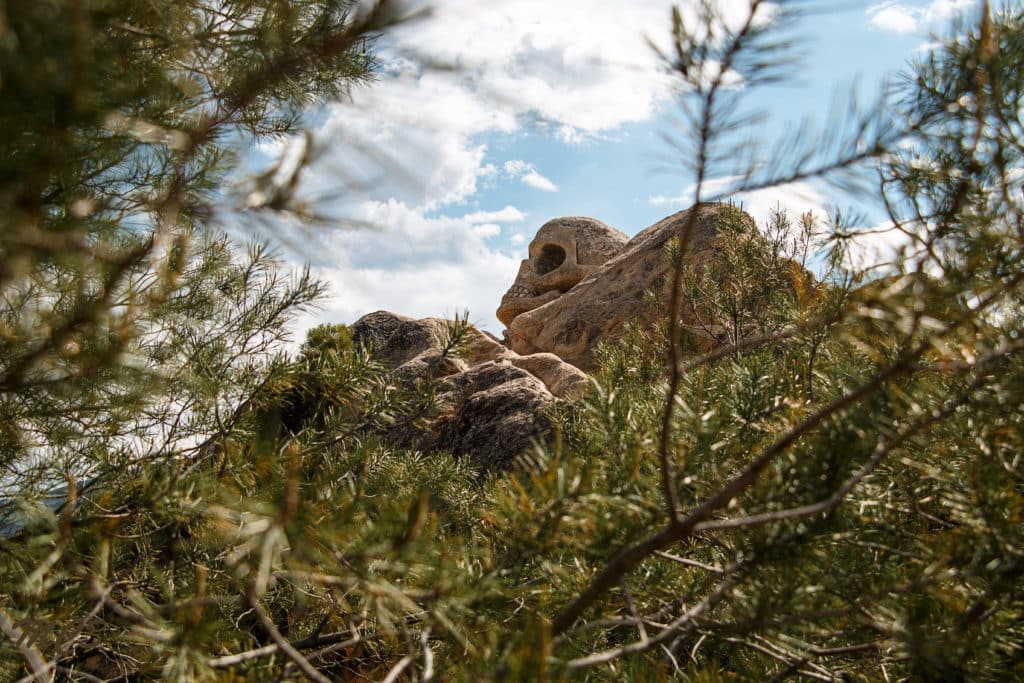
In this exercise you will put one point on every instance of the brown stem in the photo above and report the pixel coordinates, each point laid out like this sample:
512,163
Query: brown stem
41,670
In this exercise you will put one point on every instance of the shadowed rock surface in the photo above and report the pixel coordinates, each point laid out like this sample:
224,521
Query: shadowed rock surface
499,414
493,400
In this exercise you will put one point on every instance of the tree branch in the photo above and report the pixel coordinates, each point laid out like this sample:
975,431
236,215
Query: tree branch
41,670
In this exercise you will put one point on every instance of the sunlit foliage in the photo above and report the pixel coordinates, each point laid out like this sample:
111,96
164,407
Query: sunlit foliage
805,471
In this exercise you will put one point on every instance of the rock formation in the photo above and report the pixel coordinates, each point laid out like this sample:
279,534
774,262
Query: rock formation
569,317
583,281
493,400
565,251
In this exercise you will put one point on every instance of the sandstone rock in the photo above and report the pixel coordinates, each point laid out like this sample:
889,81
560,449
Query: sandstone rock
595,309
564,251
492,401
481,347
496,424
562,380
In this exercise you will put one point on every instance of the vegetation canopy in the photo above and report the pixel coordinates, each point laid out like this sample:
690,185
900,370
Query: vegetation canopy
807,470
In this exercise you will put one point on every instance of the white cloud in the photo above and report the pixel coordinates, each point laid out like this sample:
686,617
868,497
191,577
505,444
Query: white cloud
509,214
528,174
517,167
407,148
487,230
795,198
413,264
894,17
539,182
914,17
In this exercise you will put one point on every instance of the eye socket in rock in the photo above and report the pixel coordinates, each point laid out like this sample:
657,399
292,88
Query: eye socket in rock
551,257
564,252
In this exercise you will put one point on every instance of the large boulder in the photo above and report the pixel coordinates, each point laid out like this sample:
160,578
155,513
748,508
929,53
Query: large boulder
499,414
493,401
563,252
597,308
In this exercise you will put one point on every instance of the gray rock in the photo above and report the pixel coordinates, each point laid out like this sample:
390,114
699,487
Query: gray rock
495,425
397,339
375,329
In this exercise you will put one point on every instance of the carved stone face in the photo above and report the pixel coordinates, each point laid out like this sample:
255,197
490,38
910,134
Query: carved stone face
564,252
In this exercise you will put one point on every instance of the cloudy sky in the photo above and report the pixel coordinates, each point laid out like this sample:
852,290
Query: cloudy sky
489,118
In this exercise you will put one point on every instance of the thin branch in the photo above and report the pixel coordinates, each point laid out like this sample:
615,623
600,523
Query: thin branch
688,562
397,669
41,670
287,648
631,603
335,641
685,234
672,631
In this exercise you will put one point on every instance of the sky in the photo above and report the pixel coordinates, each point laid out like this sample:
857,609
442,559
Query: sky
490,118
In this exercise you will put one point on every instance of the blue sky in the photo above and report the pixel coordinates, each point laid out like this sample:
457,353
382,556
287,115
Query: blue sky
530,110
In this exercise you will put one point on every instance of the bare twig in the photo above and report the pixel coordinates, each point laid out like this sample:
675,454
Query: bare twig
41,670
397,669
688,562
641,629
330,642
287,648
428,656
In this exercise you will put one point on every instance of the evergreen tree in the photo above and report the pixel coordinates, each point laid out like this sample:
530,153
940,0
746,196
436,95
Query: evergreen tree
831,491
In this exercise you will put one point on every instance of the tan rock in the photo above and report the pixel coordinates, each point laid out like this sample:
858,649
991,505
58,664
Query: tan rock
482,347
564,251
562,379
597,308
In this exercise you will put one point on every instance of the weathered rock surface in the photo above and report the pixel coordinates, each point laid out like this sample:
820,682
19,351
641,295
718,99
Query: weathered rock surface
397,339
564,251
581,284
597,308
562,380
376,329
493,399
499,415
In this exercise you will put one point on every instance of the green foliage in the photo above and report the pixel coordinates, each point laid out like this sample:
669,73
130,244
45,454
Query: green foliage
189,502
322,373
